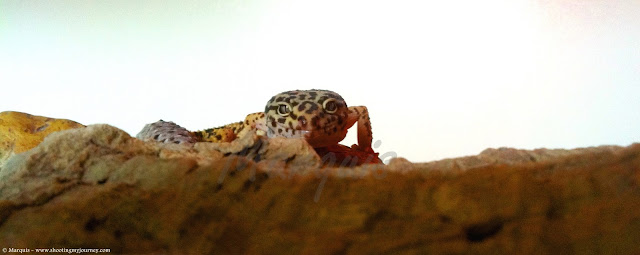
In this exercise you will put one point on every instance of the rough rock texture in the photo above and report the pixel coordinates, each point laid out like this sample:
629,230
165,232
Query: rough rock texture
20,132
97,187
509,156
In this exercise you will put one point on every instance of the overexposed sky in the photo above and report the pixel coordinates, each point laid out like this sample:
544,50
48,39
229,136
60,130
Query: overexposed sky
440,78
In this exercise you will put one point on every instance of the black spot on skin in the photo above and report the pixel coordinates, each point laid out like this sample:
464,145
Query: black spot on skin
302,96
313,108
273,123
281,120
315,121
290,125
335,129
279,99
309,106
293,115
155,137
279,130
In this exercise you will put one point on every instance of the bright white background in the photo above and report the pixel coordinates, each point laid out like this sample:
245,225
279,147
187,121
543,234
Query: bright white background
440,78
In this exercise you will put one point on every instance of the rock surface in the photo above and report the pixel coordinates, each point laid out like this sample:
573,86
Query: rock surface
20,132
97,187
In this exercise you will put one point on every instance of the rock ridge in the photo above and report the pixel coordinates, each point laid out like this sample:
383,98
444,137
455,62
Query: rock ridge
98,187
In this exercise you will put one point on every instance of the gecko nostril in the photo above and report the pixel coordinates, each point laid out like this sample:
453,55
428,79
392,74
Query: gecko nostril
303,121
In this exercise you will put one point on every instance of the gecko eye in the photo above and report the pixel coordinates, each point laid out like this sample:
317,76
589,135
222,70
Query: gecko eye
284,109
330,105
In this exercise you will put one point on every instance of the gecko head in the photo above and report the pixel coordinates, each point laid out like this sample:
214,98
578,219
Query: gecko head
319,116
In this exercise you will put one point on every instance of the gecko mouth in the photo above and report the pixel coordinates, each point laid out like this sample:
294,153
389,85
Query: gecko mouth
325,136
317,137
290,133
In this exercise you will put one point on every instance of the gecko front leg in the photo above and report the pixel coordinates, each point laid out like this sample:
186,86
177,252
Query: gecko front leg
360,114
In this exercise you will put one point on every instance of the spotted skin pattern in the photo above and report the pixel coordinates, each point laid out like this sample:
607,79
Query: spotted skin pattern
231,131
321,117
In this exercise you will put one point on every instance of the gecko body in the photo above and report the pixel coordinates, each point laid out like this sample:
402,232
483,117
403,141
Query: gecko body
321,117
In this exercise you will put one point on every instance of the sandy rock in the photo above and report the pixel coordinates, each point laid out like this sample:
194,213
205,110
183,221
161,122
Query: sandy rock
509,156
20,132
97,187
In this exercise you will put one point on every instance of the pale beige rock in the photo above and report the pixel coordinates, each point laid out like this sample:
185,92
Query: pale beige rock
509,156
